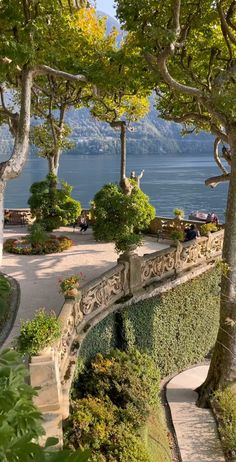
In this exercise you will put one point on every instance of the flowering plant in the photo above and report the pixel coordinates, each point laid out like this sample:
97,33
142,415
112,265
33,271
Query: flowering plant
69,285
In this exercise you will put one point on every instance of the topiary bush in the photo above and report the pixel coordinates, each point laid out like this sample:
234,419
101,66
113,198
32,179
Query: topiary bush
38,333
119,217
52,206
38,236
177,328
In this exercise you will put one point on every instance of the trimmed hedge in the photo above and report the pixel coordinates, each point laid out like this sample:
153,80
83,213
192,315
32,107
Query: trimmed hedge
177,328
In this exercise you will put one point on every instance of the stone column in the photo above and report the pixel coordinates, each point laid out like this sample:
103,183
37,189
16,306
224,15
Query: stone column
44,374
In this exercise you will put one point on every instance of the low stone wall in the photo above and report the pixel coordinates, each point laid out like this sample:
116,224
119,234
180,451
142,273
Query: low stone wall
132,279
163,226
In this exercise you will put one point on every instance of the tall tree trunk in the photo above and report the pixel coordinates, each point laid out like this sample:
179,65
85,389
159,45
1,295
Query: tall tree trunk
123,152
53,162
223,364
12,168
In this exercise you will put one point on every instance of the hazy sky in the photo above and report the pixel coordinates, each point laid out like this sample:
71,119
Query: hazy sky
106,6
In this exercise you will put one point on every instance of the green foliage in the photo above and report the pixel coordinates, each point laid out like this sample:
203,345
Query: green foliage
101,338
116,394
208,228
126,242
51,206
71,283
38,235
177,235
178,212
105,377
38,333
226,408
119,217
21,422
5,297
177,328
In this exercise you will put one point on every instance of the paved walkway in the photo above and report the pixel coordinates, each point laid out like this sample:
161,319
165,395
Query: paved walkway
38,275
195,428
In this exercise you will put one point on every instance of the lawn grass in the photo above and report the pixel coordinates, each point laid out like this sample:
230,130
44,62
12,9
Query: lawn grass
155,436
5,297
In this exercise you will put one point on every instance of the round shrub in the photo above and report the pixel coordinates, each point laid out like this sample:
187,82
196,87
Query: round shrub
38,333
119,217
52,206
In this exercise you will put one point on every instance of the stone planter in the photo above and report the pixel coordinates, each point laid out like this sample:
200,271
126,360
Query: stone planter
73,294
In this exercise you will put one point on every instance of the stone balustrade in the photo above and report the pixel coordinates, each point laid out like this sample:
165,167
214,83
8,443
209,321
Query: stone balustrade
131,278
163,226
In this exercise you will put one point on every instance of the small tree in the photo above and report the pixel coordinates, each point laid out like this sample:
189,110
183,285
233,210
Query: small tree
53,207
119,217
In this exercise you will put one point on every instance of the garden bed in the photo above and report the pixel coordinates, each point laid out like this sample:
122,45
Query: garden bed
23,246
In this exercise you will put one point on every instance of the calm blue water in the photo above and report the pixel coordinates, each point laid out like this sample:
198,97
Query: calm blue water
169,181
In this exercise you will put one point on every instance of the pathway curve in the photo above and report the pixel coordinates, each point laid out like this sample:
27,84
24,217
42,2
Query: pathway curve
38,275
195,428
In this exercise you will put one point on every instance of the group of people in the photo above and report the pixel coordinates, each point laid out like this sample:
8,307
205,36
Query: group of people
192,232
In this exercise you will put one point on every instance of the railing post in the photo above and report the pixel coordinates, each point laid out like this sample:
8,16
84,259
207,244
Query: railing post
44,375
134,272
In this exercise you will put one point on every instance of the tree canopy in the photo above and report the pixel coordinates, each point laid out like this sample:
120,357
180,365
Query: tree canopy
189,48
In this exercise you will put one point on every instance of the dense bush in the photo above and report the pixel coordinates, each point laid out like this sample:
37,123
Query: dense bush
131,382
38,333
119,217
21,422
114,396
226,405
177,328
23,246
95,423
52,206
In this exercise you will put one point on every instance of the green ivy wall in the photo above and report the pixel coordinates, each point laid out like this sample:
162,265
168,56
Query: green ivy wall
177,328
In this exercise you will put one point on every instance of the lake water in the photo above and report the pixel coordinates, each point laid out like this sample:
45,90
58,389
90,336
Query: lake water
170,181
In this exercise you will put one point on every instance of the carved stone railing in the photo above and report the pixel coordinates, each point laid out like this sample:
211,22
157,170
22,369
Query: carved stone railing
53,370
163,226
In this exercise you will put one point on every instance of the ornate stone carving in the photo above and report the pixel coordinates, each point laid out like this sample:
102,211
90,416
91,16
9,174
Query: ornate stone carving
103,293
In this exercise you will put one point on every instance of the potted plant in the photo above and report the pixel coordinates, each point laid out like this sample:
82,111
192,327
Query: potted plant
70,286
39,333
178,213
208,228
